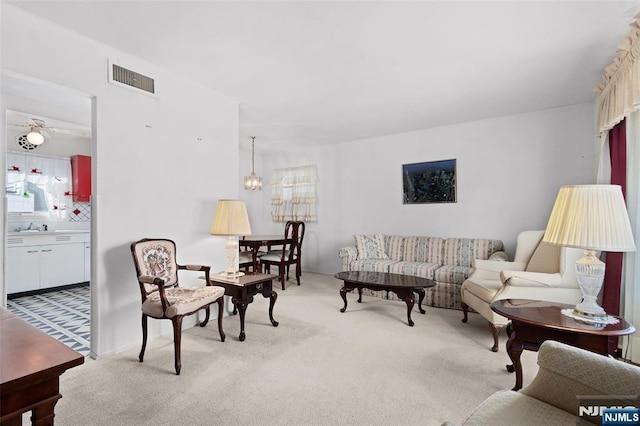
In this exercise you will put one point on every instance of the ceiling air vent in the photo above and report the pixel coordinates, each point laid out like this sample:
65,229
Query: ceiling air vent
122,76
24,143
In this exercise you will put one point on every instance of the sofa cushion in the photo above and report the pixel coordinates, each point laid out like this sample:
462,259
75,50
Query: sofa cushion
452,274
462,251
394,246
423,249
376,265
370,246
514,408
415,269
545,259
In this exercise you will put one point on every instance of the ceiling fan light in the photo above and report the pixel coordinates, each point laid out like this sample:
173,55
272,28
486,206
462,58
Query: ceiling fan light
35,137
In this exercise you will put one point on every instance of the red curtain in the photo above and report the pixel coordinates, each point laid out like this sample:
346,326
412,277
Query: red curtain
613,271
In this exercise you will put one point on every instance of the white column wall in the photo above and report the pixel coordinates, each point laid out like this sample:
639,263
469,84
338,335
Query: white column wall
157,173
509,170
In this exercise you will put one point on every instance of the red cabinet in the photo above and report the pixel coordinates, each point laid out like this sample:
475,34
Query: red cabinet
81,177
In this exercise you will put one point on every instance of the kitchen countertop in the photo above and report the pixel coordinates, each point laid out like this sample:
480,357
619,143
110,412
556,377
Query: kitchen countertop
56,232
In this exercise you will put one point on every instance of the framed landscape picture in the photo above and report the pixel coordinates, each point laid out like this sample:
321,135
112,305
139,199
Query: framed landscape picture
430,182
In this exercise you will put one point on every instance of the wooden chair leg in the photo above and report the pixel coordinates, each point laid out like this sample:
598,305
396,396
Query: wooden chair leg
206,317
281,273
144,337
177,337
465,310
298,274
495,331
220,314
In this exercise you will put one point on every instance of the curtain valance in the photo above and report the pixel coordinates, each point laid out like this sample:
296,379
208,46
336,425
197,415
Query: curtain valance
294,194
619,91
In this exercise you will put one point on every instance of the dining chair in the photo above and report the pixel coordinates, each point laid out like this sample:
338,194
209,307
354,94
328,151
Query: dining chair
290,254
245,258
163,298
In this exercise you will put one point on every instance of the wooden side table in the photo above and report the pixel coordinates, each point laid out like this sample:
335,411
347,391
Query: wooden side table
242,290
533,322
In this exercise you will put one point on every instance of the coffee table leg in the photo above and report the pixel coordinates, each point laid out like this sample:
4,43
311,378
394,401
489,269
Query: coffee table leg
272,301
421,295
343,294
359,294
410,302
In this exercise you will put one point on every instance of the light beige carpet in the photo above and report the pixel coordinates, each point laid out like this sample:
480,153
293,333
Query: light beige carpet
319,367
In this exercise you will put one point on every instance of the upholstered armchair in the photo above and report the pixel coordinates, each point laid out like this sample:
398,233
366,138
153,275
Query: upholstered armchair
162,296
539,271
567,378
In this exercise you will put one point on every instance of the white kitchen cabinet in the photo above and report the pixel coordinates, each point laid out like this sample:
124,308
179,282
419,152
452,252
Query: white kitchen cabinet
45,260
61,264
23,269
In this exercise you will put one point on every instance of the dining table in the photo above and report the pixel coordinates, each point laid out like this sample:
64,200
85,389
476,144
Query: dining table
254,242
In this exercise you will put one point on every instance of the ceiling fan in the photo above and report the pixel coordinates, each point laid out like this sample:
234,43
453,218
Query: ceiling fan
39,131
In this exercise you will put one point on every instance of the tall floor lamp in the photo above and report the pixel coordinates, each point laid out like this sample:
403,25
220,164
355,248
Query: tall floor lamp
231,219
594,218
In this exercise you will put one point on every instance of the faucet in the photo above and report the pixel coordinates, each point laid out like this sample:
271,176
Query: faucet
29,227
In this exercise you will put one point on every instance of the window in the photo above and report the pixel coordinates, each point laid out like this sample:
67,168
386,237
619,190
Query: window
38,184
294,194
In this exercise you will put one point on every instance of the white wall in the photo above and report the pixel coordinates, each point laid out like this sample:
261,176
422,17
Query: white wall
509,171
157,173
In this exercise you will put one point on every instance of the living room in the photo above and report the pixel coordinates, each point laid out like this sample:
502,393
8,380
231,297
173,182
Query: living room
509,169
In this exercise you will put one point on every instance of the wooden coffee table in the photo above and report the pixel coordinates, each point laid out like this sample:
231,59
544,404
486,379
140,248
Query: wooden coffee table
242,290
533,322
402,285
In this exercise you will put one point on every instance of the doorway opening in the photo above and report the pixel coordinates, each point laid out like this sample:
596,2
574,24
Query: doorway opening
47,222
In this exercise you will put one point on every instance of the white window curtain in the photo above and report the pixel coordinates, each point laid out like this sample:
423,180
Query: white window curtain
294,194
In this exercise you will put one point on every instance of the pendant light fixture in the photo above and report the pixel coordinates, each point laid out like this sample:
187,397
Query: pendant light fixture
253,181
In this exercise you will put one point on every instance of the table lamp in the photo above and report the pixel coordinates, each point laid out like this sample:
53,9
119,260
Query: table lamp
594,218
231,220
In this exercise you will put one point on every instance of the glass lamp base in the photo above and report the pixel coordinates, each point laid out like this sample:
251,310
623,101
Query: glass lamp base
590,274
598,315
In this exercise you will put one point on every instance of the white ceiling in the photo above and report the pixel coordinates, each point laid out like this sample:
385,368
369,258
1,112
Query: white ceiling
326,72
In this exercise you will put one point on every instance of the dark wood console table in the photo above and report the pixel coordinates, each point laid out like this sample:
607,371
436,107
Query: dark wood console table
32,363
533,322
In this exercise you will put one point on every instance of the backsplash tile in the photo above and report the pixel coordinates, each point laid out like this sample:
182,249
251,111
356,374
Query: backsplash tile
80,212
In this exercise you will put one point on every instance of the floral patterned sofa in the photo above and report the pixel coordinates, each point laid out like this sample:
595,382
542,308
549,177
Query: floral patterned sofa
446,261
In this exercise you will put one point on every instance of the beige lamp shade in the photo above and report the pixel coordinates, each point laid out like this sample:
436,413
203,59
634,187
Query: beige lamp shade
591,217
231,218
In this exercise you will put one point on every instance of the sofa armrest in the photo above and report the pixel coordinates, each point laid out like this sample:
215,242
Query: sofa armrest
349,251
500,256
530,279
566,371
348,254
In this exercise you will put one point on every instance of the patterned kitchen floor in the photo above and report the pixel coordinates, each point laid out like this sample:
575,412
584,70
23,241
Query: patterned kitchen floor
63,315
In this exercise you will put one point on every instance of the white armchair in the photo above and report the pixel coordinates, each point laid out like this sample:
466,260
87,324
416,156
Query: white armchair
539,271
